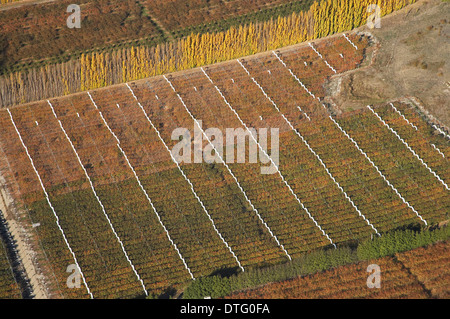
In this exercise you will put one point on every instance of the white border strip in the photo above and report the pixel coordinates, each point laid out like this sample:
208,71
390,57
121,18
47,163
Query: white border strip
98,200
187,179
142,188
409,148
345,36
51,206
272,162
289,187
316,155
304,113
320,55
441,131
438,150
229,170
357,146
415,127
400,113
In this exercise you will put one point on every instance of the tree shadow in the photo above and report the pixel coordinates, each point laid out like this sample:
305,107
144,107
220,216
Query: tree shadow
225,272
169,293
415,227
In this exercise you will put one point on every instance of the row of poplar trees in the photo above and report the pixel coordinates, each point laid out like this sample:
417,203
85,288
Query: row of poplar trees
96,70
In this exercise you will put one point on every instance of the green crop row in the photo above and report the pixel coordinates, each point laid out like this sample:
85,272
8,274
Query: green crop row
8,286
390,244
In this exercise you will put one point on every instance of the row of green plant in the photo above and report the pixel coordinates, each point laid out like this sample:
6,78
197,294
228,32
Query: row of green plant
8,286
297,163
423,123
418,141
160,37
388,244
406,173
273,200
282,10
416,184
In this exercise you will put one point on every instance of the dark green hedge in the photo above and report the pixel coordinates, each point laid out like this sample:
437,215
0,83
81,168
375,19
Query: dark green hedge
388,244
398,241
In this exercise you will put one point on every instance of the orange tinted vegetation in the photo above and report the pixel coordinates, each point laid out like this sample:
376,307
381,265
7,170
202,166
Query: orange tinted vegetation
65,55
430,266
31,33
35,32
419,273
8,286
178,14
191,230
7,1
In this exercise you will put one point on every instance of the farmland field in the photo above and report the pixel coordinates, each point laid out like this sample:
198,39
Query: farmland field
96,172
8,286
116,44
106,22
37,33
416,274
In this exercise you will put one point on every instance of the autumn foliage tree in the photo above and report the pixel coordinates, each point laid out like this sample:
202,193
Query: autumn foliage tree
96,70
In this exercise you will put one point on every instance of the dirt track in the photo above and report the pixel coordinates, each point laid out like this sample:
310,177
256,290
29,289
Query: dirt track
412,60
25,252
18,4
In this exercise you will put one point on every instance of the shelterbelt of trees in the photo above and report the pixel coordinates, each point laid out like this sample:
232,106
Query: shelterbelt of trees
7,1
100,69
275,281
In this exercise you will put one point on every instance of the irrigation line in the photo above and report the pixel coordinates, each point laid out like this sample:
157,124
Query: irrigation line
357,146
415,127
231,173
99,201
400,113
186,178
316,155
345,36
408,147
320,55
142,188
51,206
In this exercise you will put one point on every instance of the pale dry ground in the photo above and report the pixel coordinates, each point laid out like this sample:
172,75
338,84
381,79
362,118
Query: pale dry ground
411,60
21,3
27,255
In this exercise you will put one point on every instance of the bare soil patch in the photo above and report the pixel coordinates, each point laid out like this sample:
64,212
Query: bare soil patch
411,59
